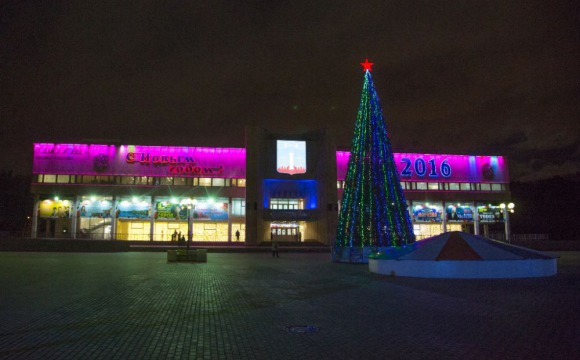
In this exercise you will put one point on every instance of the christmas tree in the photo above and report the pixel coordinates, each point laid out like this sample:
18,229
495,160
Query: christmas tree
374,210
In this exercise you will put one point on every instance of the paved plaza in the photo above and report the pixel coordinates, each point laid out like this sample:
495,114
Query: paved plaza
135,305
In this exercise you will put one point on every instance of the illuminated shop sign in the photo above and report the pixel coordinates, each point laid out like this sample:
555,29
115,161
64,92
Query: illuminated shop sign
175,164
207,210
136,160
426,212
54,209
291,157
134,209
165,210
441,168
98,209
459,213
490,214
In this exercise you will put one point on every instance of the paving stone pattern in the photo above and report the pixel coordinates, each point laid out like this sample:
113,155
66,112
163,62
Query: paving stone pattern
241,306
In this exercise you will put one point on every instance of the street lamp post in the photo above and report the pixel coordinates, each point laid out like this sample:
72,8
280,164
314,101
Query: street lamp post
507,210
191,213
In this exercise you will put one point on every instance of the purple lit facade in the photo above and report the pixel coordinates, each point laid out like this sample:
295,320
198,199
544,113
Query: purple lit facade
137,160
147,193
441,168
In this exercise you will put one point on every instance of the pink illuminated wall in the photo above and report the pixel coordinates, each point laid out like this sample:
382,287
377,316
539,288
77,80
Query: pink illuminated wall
440,168
136,160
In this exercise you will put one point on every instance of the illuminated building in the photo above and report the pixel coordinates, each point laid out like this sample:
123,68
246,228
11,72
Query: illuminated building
279,185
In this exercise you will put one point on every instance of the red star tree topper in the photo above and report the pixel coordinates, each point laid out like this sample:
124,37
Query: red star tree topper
367,65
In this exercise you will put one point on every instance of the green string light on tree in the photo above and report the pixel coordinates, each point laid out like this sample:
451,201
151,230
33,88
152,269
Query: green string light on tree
374,210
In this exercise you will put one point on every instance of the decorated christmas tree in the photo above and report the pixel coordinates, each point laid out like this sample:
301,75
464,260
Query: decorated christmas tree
374,210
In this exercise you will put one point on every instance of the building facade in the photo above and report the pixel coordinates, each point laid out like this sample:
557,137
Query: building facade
279,186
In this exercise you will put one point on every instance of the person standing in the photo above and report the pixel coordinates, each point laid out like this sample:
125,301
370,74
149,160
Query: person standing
275,249
237,235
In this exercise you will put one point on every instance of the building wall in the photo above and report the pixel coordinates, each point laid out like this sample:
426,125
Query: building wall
113,168
321,172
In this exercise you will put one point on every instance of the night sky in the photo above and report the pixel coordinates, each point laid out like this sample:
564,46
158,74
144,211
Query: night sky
474,77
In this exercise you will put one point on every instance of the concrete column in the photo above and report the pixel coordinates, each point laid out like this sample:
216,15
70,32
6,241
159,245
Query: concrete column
229,219
114,218
507,225
74,218
444,218
475,219
152,223
34,225
486,230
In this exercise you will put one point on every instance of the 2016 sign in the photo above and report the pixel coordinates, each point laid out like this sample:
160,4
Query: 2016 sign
420,167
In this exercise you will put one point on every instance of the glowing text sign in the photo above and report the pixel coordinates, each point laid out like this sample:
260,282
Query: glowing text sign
442,168
139,160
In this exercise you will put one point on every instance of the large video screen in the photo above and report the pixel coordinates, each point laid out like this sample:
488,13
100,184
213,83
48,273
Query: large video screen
291,157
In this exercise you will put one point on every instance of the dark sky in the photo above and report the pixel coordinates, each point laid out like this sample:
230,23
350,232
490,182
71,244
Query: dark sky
462,77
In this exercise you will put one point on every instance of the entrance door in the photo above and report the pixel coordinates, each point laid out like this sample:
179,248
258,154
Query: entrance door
285,232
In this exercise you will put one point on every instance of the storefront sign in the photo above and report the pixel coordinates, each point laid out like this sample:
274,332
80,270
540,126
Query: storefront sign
490,214
440,168
98,209
54,209
459,213
133,210
426,212
210,211
169,211
136,160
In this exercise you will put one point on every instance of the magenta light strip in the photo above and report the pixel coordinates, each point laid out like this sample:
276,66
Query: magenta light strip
140,160
440,167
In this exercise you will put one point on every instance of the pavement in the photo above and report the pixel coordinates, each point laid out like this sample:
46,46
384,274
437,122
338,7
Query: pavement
135,305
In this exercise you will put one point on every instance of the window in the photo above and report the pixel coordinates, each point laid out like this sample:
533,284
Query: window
433,186
49,178
195,181
496,187
166,180
204,181
39,178
127,180
63,179
421,186
465,186
228,182
86,179
238,207
485,187
179,181
141,180
102,179
453,186
286,204
218,182
242,182
338,185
